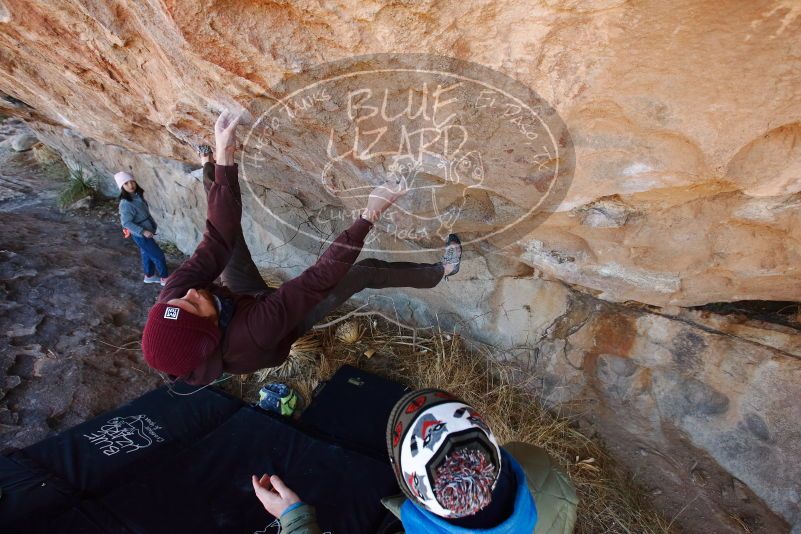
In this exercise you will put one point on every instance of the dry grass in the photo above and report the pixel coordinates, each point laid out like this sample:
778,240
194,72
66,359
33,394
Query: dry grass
609,501
171,249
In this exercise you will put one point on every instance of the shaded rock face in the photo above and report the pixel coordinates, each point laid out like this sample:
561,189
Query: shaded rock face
688,393
685,123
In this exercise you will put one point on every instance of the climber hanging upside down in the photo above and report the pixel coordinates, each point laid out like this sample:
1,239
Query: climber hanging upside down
201,327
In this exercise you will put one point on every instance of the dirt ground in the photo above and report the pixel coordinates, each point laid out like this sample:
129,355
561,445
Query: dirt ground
72,303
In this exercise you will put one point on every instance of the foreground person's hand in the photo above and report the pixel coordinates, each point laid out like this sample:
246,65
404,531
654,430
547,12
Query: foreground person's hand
273,494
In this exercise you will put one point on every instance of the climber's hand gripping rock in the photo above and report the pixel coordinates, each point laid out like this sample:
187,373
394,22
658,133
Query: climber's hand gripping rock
225,136
381,198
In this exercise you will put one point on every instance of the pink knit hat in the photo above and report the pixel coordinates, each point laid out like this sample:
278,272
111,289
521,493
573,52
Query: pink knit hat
122,177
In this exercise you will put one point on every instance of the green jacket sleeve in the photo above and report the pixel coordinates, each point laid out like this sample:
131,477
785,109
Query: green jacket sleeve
393,504
301,520
553,492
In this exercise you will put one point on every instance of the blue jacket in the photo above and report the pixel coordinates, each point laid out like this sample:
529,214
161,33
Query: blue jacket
417,520
135,216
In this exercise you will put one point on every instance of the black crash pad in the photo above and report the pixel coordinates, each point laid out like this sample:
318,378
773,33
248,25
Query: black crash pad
29,489
105,451
167,463
352,408
213,480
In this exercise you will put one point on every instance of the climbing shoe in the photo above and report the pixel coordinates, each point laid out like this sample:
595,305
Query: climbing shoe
453,254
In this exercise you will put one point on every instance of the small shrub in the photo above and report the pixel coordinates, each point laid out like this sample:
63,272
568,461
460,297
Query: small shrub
77,187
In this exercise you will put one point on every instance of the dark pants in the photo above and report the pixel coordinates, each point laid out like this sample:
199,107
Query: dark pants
152,256
371,273
242,276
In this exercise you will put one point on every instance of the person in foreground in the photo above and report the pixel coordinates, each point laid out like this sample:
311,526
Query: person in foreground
199,329
454,477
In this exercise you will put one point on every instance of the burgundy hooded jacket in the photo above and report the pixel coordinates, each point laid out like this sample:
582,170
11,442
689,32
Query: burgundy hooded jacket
263,327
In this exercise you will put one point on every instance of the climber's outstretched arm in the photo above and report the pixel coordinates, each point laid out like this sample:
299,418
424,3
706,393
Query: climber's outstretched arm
381,198
280,312
223,218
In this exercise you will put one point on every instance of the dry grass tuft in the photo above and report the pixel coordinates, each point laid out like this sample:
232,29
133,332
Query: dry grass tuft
299,369
349,332
171,249
610,502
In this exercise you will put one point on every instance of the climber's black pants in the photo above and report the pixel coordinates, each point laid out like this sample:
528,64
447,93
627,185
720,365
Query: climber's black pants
242,276
371,273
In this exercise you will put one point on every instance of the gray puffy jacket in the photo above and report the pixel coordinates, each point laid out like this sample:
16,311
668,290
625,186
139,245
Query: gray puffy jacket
135,216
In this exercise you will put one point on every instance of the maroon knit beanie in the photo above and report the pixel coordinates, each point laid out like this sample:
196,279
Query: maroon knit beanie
176,341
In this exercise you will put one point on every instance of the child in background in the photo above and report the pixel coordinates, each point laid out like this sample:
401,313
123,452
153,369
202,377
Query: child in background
135,217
